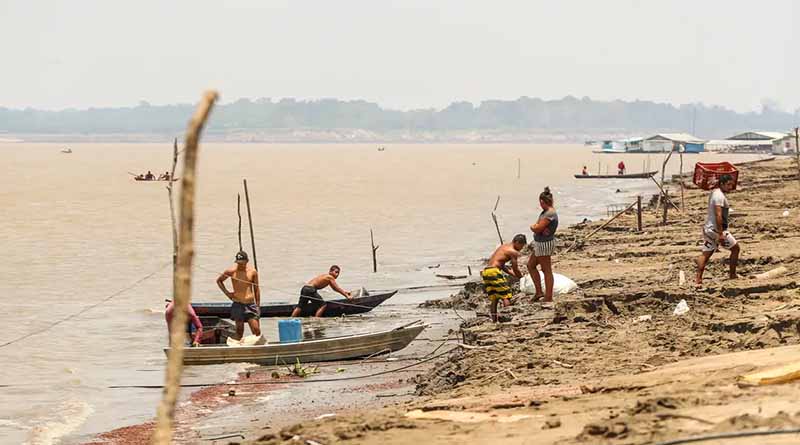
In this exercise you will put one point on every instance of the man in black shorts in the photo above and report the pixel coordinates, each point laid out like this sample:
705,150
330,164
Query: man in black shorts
311,300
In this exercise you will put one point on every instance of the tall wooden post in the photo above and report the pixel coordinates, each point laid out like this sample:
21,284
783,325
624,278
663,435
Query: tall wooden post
797,150
519,167
374,251
250,222
239,212
162,435
639,213
172,216
666,198
683,202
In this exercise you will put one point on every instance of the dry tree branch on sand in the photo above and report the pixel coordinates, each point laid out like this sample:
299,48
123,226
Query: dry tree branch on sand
166,409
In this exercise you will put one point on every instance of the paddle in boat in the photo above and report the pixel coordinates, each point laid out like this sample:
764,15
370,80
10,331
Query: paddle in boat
346,347
336,308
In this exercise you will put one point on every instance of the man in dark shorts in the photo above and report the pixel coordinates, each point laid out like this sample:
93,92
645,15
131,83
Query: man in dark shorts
246,295
311,300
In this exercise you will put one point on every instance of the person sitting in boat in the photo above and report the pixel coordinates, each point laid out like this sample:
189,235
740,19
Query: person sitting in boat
149,176
167,176
246,295
194,320
621,168
585,171
310,298
494,282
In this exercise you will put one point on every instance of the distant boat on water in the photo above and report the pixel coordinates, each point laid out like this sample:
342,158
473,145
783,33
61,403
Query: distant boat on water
643,175
66,150
381,148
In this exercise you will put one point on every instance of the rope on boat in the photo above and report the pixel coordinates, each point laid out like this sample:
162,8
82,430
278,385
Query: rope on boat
284,382
87,308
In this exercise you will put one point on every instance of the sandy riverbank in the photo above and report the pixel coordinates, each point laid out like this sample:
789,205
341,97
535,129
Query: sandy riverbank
612,364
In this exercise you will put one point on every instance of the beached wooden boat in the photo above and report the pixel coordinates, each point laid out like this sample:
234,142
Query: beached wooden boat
335,308
319,350
644,175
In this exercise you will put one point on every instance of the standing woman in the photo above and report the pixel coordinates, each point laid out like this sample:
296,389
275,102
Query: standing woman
544,245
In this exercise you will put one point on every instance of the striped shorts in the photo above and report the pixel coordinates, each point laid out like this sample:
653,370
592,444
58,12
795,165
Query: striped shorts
544,248
495,284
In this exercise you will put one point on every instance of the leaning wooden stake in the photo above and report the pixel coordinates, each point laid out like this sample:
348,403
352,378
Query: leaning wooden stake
494,218
250,222
172,216
374,252
519,167
166,409
663,196
600,228
239,212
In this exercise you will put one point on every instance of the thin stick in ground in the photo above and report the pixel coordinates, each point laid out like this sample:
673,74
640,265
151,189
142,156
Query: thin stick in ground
494,218
374,252
166,409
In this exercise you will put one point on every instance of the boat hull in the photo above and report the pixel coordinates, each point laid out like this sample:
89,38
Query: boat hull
645,175
322,350
336,308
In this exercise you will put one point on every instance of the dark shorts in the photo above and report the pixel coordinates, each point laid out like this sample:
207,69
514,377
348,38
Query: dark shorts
310,299
244,312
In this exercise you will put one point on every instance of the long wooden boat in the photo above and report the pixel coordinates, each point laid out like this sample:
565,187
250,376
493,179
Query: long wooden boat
644,175
335,308
321,350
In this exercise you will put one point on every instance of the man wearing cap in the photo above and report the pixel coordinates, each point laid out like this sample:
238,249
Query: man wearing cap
246,295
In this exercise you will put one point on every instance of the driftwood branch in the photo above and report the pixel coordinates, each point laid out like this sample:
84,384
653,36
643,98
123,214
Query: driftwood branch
250,222
166,409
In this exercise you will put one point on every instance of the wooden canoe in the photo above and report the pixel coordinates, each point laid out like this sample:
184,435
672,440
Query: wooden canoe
335,308
644,175
321,350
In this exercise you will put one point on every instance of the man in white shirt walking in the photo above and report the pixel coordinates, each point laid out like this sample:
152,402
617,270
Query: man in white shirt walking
715,230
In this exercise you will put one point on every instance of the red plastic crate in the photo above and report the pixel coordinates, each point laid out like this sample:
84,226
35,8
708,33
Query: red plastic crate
706,174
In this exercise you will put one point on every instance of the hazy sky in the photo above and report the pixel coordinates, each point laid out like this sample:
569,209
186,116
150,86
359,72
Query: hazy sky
401,54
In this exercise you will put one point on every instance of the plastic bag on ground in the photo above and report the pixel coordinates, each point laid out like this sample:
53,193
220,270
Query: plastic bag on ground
561,284
681,308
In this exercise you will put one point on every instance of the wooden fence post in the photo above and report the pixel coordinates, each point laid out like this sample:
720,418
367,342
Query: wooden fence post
639,213
666,207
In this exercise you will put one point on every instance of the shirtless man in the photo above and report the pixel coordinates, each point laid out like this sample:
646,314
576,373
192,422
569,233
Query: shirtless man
309,294
246,295
495,284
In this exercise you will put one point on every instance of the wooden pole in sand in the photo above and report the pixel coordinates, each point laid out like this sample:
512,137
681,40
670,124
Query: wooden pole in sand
172,216
374,251
162,434
639,213
797,150
683,201
519,167
239,212
250,223
494,218
664,215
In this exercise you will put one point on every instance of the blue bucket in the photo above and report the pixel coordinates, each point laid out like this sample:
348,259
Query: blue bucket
290,331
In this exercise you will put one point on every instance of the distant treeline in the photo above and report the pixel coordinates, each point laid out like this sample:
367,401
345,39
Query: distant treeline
586,115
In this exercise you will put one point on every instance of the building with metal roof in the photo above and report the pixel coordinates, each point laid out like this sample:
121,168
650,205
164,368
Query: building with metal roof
664,142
